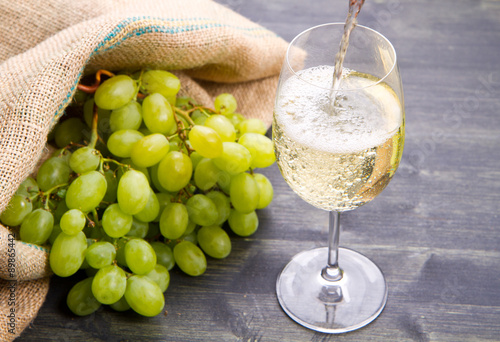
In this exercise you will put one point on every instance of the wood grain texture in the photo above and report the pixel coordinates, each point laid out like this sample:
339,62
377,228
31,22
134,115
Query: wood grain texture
434,231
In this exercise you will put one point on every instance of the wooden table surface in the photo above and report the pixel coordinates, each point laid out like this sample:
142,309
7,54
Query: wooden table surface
434,231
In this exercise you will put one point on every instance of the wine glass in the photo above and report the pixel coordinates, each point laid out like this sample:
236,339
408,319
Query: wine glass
337,150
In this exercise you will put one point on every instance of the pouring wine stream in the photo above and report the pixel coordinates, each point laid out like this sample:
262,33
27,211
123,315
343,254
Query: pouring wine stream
350,24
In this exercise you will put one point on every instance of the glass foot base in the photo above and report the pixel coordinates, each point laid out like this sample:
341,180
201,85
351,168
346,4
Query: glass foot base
332,307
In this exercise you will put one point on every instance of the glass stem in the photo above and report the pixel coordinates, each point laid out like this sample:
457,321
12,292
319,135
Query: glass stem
332,271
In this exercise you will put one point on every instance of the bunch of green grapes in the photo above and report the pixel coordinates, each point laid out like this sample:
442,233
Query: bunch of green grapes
142,181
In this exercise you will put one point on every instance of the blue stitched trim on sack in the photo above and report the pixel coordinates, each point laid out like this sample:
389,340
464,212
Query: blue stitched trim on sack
101,47
35,246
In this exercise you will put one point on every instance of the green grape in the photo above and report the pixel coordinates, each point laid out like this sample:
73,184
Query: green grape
183,102
139,229
68,131
37,227
252,126
225,104
115,222
84,159
235,158
163,82
158,115
73,221
120,305
144,296
191,237
59,211
153,173
56,230
128,161
175,143
200,120
144,130
224,181
103,116
53,172
205,141
214,241
95,232
79,98
120,143
109,284
115,92
175,171
18,208
120,252
223,205
190,258
100,254
151,210
195,159
164,254
206,174
202,210
126,117
265,190
243,224
28,187
163,200
86,191
223,126
80,299
261,148
150,150
67,254
174,220
38,203
160,276
111,186
198,114
244,193
62,153
235,118
133,192
190,227
140,256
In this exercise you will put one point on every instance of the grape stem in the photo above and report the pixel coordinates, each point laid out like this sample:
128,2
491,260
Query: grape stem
92,88
139,85
46,195
108,160
62,152
203,110
181,131
183,192
91,223
185,115
96,218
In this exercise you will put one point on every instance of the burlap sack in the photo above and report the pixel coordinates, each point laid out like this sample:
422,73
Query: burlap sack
47,46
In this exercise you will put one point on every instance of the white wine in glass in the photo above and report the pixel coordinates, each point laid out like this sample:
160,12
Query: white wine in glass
337,153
